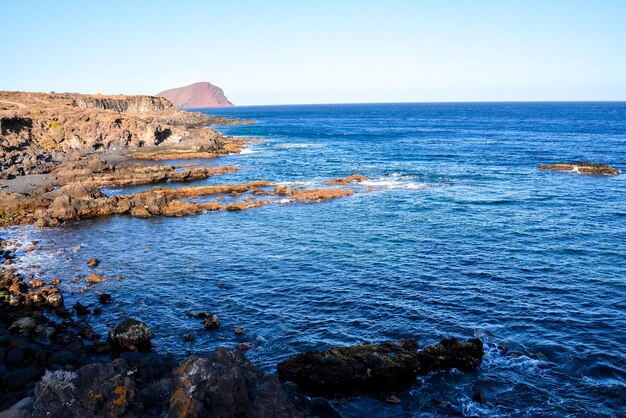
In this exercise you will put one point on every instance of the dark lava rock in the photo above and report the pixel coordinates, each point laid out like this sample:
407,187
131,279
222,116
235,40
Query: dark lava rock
81,309
197,314
15,356
451,354
478,396
376,368
226,385
23,325
211,321
188,338
21,378
311,407
347,370
94,390
131,335
148,367
104,298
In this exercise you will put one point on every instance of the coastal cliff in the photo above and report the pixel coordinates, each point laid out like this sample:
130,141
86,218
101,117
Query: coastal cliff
197,95
38,130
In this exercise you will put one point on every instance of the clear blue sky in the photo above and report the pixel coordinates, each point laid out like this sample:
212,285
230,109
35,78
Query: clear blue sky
267,52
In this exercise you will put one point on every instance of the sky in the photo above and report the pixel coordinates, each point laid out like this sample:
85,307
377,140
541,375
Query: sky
285,52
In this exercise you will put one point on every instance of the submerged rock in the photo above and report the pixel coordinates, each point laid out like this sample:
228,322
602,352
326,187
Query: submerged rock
131,335
582,167
211,321
376,368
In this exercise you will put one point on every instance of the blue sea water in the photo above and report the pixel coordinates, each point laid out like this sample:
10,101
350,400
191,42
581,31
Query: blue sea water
461,237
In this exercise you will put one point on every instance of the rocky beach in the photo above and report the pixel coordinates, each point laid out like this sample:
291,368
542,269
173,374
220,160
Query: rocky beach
58,155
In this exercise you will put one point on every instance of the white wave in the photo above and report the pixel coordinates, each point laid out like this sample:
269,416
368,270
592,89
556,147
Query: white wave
247,151
297,145
395,181
299,183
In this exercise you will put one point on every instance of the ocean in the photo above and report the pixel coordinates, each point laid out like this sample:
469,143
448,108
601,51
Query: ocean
460,236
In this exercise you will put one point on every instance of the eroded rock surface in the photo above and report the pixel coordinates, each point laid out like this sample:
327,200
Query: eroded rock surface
38,130
226,385
131,335
583,168
375,368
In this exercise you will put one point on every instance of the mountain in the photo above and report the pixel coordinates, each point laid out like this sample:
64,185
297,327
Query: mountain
197,95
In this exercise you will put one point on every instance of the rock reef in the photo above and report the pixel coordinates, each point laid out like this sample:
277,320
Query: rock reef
582,167
83,200
374,368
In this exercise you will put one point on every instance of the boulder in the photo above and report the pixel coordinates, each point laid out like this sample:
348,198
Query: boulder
94,390
24,324
226,385
131,335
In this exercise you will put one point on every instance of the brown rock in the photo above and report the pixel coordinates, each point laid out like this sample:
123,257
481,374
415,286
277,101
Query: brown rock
35,283
197,95
94,278
582,167
93,262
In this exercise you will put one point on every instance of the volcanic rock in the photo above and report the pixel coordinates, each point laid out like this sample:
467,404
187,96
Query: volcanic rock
376,368
226,385
131,335
582,167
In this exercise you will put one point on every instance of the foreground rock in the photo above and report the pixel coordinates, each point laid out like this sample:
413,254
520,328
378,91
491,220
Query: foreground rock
376,368
226,385
583,168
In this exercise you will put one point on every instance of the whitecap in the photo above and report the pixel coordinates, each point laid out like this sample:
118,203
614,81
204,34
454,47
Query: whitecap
395,181
297,145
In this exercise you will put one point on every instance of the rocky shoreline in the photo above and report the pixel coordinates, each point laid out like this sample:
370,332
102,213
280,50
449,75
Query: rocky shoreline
56,153
53,364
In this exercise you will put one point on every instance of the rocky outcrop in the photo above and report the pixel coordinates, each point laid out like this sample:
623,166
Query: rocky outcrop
226,385
82,200
98,172
376,368
582,168
197,95
354,178
140,104
44,128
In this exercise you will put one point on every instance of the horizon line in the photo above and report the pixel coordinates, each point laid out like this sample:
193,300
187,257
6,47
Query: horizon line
412,102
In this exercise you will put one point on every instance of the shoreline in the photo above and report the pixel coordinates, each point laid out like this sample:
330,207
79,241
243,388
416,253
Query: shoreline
36,325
